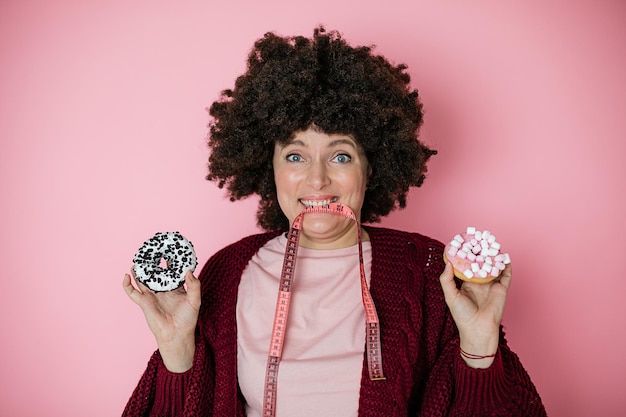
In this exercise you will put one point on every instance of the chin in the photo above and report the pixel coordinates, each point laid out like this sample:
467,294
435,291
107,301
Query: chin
324,224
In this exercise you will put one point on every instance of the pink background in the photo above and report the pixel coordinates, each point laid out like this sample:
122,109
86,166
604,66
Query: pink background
103,122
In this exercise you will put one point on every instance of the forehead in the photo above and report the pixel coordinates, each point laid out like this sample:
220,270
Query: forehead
315,137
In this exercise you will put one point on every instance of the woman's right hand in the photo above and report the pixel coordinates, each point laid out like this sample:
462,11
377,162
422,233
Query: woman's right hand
172,317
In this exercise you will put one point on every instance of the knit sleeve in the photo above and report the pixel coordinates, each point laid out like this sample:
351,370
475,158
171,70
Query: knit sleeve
170,392
141,400
476,389
167,394
502,390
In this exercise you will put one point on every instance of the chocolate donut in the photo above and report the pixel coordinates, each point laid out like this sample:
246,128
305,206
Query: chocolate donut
175,250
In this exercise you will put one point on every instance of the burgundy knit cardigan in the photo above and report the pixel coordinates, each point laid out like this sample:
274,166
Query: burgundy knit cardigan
420,348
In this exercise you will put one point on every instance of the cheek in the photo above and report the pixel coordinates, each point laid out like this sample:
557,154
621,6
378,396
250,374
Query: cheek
286,183
281,179
359,180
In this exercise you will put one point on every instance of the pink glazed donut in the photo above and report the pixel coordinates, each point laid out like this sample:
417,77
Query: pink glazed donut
475,256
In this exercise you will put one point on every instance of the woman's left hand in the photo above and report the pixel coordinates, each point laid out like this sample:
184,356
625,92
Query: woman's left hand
477,311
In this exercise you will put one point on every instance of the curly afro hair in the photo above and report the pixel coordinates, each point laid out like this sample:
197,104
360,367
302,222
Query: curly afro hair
293,83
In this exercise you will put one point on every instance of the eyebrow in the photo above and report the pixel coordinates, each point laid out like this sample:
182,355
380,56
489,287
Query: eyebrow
335,142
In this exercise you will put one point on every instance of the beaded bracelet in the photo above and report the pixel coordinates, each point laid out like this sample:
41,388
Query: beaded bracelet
474,356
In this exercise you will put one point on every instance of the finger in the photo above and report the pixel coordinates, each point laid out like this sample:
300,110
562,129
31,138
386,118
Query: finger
506,276
194,293
447,283
140,286
130,290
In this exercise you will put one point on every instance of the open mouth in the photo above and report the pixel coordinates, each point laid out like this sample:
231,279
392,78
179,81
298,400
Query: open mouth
317,203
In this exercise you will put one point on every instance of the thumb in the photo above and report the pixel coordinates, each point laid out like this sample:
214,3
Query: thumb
448,285
194,293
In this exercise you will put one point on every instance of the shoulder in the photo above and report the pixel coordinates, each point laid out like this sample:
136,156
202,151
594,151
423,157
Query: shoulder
419,251
386,236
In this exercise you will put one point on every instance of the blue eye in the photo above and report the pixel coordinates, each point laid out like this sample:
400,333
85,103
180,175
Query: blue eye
342,158
294,157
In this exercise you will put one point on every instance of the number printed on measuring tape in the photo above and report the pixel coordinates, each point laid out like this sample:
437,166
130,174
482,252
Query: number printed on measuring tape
283,301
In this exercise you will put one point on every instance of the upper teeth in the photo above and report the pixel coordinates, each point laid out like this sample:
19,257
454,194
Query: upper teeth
318,202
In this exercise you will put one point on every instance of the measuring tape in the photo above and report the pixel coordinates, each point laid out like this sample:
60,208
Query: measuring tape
372,326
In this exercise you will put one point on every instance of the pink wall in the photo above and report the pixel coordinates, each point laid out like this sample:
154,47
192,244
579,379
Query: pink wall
102,128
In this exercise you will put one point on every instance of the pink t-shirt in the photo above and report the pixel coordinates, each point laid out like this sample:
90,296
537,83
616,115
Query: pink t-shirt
320,370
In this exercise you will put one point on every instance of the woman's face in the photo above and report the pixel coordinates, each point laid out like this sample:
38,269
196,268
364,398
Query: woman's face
316,169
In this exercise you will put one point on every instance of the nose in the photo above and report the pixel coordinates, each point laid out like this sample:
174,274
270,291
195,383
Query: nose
317,175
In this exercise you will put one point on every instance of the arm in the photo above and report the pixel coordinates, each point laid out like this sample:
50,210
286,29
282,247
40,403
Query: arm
179,363
161,392
493,386
504,389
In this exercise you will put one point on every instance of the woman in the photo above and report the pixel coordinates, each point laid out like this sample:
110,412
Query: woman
316,125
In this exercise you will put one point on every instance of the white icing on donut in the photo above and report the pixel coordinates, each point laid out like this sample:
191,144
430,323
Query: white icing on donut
475,255
175,250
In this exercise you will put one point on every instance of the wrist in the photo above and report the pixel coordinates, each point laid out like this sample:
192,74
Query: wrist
178,356
478,355
477,361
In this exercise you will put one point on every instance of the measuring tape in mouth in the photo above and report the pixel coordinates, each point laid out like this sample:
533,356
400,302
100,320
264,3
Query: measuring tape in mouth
372,326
